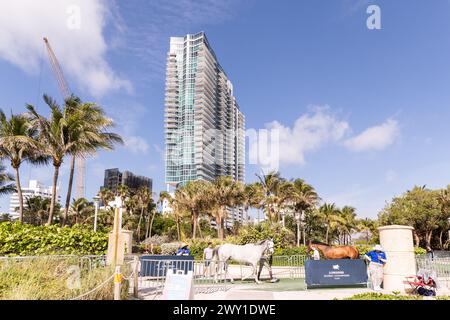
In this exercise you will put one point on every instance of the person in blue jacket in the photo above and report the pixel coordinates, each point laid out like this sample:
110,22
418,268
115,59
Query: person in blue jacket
184,250
377,260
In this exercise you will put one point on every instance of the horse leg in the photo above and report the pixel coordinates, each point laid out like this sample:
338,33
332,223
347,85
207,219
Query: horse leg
226,273
256,273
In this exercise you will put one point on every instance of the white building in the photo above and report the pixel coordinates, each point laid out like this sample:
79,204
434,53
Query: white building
35,189
166,209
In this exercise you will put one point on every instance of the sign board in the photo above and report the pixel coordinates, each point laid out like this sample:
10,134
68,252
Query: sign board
178,286
335,273
157,266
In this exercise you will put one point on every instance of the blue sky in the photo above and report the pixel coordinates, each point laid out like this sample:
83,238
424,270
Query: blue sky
363,114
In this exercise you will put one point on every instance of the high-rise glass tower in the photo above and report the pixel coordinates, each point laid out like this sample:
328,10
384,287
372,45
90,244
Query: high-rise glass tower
204,128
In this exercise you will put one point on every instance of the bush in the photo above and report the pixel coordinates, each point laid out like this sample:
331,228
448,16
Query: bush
380,296
282,237
170,249
156,240
26,240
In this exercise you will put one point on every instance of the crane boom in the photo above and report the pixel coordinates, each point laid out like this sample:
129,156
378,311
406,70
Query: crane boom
65,91
57,71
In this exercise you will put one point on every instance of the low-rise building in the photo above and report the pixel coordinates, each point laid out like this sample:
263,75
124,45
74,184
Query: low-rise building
34,189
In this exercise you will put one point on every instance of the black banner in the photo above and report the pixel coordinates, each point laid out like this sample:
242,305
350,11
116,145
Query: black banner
335,273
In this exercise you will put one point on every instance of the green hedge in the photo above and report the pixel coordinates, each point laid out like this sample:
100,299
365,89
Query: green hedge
18,239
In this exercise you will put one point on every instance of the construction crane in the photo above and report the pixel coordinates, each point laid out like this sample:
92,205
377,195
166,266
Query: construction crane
80,163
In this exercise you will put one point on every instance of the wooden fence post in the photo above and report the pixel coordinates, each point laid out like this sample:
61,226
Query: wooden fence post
136,277
117,283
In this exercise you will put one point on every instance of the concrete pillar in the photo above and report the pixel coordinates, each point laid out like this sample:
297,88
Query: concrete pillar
124,246
128,240
397,242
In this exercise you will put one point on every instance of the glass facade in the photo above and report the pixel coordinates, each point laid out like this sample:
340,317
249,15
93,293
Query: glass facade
204,128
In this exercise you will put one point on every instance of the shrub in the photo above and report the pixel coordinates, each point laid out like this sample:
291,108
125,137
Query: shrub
23,239
156,240
282,237
170,249
380,296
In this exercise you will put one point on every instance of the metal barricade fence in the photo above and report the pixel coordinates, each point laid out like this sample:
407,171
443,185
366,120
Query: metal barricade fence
208,276
441,266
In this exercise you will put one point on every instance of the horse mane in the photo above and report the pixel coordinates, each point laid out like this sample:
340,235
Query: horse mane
261,242
320,243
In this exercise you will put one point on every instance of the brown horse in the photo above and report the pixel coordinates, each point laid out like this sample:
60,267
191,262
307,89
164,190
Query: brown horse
333,253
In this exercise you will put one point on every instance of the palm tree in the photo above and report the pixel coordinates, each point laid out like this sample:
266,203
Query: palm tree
252,197
330,215
123,191
272,186
225,193
81,209
303,197
91,137
105,196
349,215
6,187
444,224
144,198
57,138
193,198
18,144
176,210
36,210
366,226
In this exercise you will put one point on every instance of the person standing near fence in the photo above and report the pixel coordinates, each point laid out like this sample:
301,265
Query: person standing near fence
430,253
208,254
316,254
377,259
267,260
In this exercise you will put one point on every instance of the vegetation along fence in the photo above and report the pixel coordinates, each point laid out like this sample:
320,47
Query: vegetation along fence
439,266
66,277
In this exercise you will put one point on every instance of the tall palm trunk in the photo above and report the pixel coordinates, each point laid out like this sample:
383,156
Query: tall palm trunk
416,239
194,223
69,190
178,229
200,229
19,193
139,224
151,224
147,227
429,236
53,201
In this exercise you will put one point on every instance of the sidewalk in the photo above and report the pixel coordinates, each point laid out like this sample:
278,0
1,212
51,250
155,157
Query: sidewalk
316,294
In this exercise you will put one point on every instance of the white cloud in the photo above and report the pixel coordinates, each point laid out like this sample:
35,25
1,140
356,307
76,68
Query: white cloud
81,51
375,138
136,144
310,132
